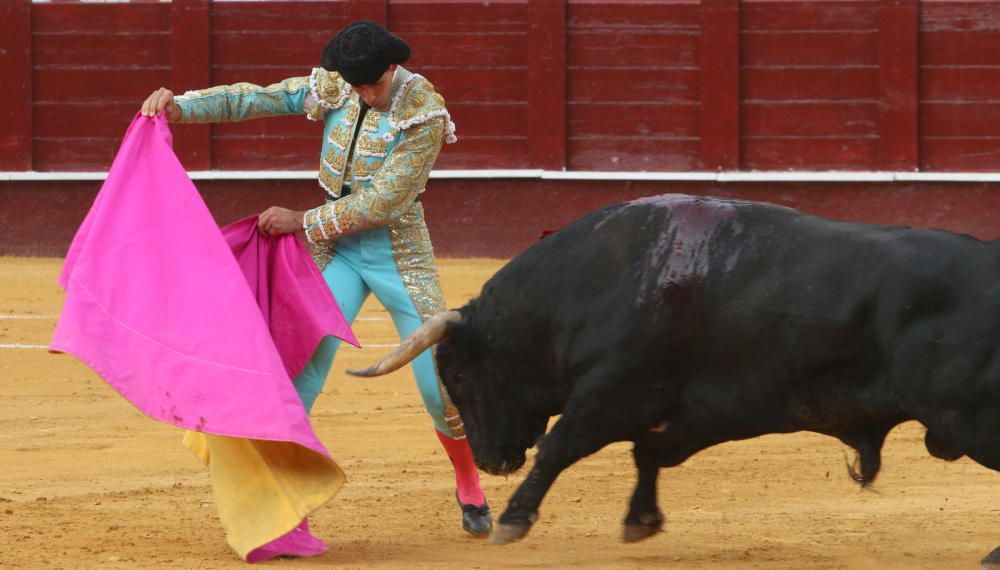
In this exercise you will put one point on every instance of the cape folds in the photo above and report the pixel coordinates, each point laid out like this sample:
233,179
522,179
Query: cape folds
160,307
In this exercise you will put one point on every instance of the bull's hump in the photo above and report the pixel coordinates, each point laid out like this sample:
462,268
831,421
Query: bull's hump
724,208
689,219
680,251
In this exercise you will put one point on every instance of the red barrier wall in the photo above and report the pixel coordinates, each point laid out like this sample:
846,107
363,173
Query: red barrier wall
500,218
617,85
579,84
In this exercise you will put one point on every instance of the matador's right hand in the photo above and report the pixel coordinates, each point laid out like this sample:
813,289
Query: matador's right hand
161,99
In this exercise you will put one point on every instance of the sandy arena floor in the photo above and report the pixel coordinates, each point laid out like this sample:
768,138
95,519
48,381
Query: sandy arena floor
87,481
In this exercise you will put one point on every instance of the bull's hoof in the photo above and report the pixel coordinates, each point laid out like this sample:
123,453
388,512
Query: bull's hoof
646,526
508,533
513,531
992,560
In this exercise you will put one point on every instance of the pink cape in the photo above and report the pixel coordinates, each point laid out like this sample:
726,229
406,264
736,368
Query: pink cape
292,295
158,305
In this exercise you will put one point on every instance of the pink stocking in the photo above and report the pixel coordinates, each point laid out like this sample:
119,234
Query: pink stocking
466,475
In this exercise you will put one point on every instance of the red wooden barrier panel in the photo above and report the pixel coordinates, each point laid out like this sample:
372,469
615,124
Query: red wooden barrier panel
476,54
582,84
93,66
633,92
501,218
959,85
897,65
546,76
16,129
788,120
720,84
190,64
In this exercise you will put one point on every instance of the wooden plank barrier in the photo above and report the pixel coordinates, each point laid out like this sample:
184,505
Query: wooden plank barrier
606,85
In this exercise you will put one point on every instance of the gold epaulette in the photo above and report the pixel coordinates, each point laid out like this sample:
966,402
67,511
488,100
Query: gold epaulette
327,87
415,103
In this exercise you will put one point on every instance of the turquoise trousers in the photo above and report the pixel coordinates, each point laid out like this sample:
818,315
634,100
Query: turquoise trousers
363,264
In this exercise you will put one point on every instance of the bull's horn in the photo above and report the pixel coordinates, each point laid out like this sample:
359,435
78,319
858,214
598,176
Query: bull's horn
430,333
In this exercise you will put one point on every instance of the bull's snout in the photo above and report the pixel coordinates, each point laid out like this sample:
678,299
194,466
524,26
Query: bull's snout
504,465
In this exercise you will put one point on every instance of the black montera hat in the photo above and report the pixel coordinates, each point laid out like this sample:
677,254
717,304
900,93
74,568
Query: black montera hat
363,51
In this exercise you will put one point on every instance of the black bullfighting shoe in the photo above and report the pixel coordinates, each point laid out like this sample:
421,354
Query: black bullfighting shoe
476,521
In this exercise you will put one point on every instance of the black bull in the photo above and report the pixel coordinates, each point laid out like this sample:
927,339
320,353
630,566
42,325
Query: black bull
678,323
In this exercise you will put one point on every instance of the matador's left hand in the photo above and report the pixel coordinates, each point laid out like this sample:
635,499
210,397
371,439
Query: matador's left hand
276,221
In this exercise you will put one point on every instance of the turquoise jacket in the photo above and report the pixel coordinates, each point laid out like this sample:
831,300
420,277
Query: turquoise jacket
394,153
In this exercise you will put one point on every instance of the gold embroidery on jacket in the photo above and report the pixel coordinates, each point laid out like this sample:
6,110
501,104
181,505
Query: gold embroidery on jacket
340,136
394,186
322,252
372,119
372,145
335,160
351,115
420,98
365,168
329,181
360,170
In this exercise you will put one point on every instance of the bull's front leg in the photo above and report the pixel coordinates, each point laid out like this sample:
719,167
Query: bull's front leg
644,518
573,437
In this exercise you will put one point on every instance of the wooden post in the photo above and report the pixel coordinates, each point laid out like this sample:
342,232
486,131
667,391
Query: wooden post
15,97
377,10
191,68
898,30
720,84
546,77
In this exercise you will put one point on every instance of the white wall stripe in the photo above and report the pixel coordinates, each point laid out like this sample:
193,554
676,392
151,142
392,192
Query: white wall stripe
657,176
806,177
948,176
762,176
